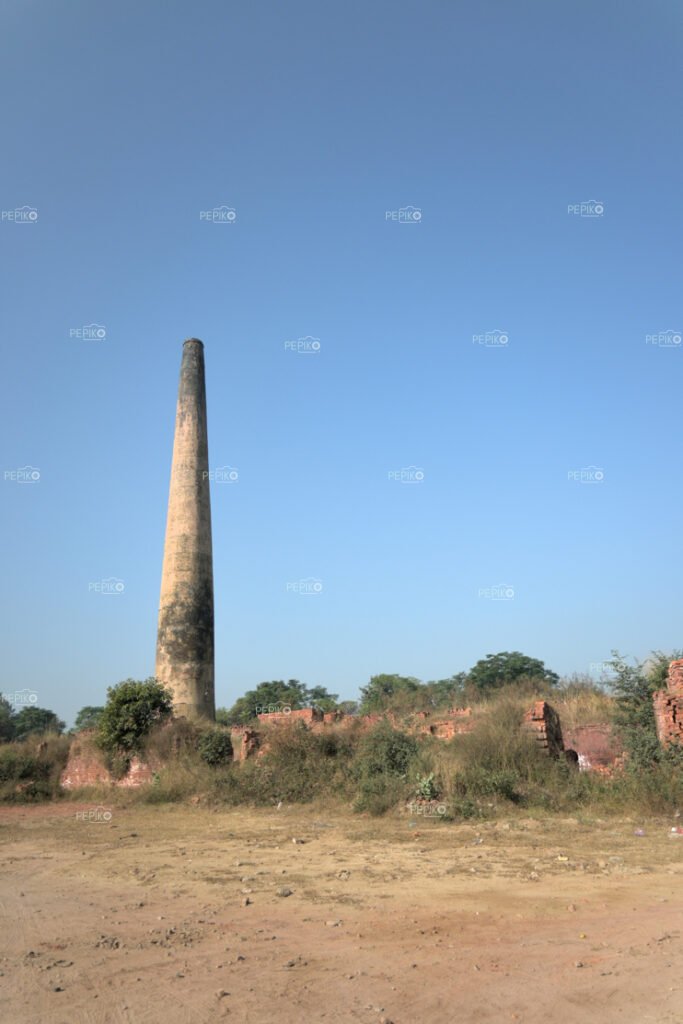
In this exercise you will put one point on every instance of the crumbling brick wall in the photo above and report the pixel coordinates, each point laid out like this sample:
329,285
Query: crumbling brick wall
84,767
597,747
245,742
668,705
305,715
543,722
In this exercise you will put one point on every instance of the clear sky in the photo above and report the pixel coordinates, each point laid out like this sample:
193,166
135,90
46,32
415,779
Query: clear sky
126,125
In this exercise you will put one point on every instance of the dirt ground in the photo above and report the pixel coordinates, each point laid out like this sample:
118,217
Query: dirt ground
183,915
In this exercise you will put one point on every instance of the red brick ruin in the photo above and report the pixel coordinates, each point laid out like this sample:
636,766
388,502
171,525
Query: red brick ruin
669,707
593,747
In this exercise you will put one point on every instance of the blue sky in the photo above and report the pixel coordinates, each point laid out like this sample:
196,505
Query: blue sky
317,123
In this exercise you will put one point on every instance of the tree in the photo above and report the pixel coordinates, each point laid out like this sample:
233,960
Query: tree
87,718
132,709
275,693
31,720
384,689
319,697
446,692
222,716
496,670
7,720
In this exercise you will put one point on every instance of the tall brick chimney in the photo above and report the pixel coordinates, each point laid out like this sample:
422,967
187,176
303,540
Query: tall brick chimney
185,639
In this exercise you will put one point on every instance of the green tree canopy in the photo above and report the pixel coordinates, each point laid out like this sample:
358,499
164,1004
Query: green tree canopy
276,692
383,690
88,718
446,692
496,670
31,720
131,710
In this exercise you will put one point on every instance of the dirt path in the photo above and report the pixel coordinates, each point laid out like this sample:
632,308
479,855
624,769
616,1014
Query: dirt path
144,918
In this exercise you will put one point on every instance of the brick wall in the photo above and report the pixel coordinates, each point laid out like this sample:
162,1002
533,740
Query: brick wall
668,705
543,722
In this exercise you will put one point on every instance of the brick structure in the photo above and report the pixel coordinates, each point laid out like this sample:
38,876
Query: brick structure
596,746
456,722
84,767
541,719
245,742
306,715
668,705
543,722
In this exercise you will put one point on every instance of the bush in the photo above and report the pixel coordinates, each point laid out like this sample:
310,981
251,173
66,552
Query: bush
30,769
132,709
381,768
215,747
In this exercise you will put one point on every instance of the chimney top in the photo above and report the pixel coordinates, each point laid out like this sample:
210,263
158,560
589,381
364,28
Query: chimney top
193,341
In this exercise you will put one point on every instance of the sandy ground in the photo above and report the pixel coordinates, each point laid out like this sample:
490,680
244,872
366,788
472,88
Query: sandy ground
144,918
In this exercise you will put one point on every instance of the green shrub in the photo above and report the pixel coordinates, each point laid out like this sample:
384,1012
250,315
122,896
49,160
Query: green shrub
215,747
132,709
381,768
425,787
30,769
477,780
16,764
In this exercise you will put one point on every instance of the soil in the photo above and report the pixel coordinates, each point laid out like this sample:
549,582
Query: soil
186,915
